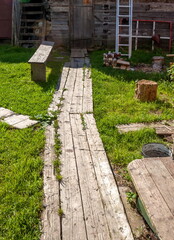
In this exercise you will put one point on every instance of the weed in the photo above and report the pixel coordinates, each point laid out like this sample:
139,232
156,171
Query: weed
83,121
131,197
60,212
45,119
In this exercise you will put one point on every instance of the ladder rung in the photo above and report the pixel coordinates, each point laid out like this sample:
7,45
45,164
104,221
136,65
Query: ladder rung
32,12
122,25
123,35
124,6
123,15
123,45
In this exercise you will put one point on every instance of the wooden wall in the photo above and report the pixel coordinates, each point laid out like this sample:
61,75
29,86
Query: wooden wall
104,19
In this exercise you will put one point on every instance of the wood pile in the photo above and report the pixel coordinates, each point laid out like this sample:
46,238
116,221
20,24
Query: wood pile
115,60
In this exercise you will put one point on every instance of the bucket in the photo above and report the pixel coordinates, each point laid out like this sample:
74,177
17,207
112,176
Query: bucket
151,150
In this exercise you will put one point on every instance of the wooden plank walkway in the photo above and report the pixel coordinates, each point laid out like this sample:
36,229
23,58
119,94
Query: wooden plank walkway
154,182
88,194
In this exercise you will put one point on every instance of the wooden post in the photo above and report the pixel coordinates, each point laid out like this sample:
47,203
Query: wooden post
146,91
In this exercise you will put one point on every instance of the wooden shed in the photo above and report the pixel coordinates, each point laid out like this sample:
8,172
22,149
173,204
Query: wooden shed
92,22
86,23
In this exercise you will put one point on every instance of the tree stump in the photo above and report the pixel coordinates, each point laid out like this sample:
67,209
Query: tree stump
146,91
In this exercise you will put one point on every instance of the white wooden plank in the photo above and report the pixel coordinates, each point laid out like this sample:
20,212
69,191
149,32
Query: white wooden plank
96,223
114,211
50,218
73,225
154,203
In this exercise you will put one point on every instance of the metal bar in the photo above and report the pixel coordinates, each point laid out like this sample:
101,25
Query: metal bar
136,39
153,33
130,28
117,27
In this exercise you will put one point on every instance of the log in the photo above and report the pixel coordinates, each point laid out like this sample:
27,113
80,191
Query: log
146,91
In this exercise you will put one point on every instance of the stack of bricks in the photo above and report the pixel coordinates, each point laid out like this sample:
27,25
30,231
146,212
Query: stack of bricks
114,60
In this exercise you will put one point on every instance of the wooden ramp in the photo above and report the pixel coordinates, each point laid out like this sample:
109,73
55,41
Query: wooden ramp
88,194
153,179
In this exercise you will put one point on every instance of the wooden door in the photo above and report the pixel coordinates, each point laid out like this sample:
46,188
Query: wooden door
81,23
5,18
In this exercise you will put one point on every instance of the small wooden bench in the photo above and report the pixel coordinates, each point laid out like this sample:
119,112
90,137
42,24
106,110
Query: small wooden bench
153,179
38,61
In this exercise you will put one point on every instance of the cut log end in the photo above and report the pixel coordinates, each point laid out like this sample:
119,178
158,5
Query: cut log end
146,90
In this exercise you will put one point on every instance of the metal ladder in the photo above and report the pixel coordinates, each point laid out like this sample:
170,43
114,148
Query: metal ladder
124,31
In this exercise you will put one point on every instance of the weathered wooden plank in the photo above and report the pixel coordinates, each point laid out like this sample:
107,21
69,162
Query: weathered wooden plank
77,99
169,164
4,112
95,219
87,99
61,88
152,199
24,124
50,218
73,226
114,211
69,89
163,180
42,53
14,119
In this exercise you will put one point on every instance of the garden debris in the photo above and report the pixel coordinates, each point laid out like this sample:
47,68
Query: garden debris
15,120
115,60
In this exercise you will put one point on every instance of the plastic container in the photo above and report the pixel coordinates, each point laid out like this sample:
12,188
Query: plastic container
151,150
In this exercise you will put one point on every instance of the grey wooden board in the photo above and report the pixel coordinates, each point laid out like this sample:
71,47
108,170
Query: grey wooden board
59,93
154,184
42,53
87,99
114,211
4,112
50,218
77,98
94,213
73,225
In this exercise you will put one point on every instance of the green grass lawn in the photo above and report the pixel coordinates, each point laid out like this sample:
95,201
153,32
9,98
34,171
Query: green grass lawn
114,103
21,185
